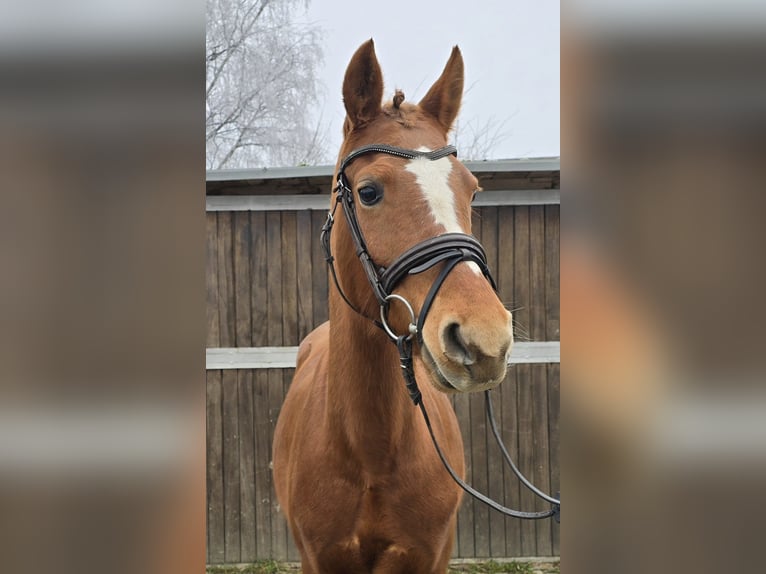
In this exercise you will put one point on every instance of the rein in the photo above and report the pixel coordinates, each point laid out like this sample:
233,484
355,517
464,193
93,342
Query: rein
448,248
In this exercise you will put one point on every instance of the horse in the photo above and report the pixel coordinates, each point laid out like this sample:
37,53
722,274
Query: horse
354,469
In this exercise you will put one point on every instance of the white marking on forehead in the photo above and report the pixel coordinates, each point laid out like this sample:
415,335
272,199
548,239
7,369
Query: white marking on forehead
433,178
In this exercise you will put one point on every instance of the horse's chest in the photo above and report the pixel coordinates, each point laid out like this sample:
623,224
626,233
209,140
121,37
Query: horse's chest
392,522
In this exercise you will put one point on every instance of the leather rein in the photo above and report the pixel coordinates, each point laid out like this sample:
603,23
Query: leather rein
448,248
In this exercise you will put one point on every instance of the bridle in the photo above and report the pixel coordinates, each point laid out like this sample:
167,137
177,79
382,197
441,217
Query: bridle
449,249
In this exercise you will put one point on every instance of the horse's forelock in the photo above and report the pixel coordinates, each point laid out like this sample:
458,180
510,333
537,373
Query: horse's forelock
398,98
405,114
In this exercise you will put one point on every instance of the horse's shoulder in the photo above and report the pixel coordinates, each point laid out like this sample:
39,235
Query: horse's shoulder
315,343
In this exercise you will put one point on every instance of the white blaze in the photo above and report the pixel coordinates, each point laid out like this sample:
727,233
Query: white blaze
433,178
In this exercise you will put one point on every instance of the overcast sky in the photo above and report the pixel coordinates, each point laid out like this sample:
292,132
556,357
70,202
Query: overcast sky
510,48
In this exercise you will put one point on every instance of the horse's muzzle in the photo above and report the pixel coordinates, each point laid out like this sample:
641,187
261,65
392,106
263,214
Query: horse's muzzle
466,360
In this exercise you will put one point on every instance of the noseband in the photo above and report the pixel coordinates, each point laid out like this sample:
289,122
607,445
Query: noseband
448,248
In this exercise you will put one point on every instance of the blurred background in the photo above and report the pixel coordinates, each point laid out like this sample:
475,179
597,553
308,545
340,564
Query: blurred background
662,278
102,287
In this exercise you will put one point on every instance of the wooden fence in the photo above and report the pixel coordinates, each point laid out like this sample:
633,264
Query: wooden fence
267,286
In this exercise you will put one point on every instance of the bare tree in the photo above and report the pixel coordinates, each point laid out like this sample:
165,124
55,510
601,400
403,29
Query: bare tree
261,85
477,140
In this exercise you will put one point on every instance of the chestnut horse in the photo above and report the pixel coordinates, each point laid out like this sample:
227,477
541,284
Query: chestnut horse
355,471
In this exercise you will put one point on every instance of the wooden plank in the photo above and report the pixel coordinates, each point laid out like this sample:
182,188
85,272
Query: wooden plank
226,310
540,472
521,271
505,267
479,474
521,287
537,273
230,430
289,280
251,358
247,500
303,247
262,457
259,297
506,403
242,305
496,490
278,531
552,273
212,338
525,459
259,289
214,448
282,203
285,357
274,278
554,410
540,475
535,352
231,490
507,416
319,272
500,197
465,526
489,234
509,433
244,335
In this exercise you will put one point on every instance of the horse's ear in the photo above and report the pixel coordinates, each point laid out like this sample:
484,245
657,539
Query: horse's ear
443,99
362,86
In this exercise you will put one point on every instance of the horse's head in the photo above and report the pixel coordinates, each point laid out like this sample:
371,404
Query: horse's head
400,202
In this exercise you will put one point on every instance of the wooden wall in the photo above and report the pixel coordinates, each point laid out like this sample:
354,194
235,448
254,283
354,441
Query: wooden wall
267,286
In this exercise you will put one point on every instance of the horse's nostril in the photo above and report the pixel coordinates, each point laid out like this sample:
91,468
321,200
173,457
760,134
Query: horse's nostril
455,346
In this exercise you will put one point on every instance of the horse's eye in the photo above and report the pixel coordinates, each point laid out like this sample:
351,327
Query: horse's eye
370,195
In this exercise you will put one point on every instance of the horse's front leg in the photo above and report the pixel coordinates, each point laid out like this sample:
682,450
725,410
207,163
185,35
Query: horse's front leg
396,560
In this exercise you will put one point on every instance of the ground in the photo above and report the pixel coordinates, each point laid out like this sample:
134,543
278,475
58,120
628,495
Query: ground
462,567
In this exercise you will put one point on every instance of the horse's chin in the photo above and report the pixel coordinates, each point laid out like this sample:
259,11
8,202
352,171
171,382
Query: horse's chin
446,382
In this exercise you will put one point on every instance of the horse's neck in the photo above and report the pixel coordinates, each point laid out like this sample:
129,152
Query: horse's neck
368,402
